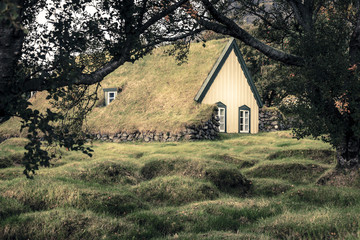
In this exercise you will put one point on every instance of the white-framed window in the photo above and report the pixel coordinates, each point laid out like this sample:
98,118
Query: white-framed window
221,115
110,97
244,121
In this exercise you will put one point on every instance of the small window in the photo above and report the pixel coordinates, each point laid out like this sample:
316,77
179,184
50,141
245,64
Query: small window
110,95
221,114
244,121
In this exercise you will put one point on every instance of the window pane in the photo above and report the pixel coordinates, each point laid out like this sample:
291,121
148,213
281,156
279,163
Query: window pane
222,119
111,95
222,127
222,111
246,128
110,100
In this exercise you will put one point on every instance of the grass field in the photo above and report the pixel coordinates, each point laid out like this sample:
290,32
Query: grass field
241,187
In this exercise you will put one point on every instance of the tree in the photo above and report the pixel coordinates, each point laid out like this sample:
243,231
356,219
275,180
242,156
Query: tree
318,42
37,57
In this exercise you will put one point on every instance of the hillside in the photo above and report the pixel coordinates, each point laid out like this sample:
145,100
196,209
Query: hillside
157,93
183,190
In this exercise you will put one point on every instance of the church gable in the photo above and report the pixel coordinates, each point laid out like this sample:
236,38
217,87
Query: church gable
230,83
232,50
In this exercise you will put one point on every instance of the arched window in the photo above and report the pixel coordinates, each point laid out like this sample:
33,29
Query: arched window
222,116
244,119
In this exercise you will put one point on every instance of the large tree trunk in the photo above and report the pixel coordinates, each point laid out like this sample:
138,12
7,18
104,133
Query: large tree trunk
11,40
347,154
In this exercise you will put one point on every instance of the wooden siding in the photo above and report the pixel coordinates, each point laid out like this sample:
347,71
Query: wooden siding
231,88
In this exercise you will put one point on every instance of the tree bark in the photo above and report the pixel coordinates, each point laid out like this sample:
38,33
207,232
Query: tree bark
11,40
347,153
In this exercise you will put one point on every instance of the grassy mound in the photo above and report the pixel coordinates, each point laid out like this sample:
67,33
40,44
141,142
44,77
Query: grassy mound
324,196
43,194
175,190
341,178
294,172
11,207
185,190
221,214
61,224
321,156
110,172
228,179
269,187
214,235
320,224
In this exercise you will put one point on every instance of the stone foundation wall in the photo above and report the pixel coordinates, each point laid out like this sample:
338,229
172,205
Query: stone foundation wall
208,130
271,120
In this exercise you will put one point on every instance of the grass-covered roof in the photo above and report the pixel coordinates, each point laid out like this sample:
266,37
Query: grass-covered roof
157,93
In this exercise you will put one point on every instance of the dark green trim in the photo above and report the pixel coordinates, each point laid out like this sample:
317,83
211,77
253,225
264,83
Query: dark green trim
110,89
244,107
220,104
217,67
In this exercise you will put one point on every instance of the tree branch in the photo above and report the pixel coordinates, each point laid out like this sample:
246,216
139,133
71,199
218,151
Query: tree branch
228,27
160,15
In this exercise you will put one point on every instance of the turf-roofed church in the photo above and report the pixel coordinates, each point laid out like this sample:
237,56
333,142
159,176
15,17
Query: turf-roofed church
227,84
230,86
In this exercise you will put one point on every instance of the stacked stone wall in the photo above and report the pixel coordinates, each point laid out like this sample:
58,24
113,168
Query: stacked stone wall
271,120
208,130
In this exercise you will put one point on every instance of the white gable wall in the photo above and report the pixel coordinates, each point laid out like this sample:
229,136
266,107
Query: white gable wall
232,89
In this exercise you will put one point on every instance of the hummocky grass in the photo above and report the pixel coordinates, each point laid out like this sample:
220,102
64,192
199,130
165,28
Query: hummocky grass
263,186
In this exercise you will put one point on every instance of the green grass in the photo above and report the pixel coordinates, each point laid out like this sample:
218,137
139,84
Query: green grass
260,186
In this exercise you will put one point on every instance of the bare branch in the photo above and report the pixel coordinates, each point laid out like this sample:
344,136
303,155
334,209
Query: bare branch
228,27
